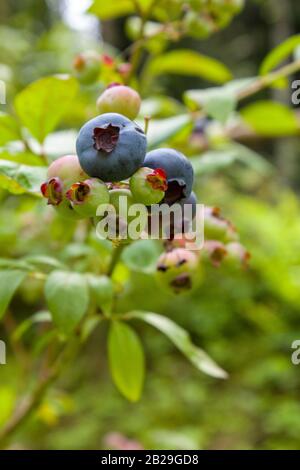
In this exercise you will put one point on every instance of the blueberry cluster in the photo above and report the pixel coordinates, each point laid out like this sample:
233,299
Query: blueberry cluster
111,157
111,162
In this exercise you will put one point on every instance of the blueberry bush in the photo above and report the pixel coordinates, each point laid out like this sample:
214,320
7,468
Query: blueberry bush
104,127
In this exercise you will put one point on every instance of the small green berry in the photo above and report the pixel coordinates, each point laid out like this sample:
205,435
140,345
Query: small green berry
148,186
116,228
237,255
218,228
86,196
121,199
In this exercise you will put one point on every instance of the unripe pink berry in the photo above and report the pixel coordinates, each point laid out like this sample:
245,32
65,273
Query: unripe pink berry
178,270
213,252
67,169
124,69
119,99
62,173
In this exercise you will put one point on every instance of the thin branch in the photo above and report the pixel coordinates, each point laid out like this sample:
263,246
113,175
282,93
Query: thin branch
31,402
266,81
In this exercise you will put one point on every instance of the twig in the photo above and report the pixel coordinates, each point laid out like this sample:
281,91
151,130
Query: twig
264,82
25,409
114,259
139,44
31,402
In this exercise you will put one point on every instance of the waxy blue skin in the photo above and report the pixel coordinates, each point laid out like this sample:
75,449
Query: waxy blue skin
127,156
192,199
177,167
185,225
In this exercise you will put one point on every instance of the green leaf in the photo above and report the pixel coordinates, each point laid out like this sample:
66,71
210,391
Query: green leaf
9,283
26,158
279,54
21,178
181,339
271,119
251,159
110,10
12,263
39,317
187,62
161,106
213,161
42,105
9,129
61,143
67,297
162,130
44,260
141,256
126,359
102,291
217,102
89,325
10,185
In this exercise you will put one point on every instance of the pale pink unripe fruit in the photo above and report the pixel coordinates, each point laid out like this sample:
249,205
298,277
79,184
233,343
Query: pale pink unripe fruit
119,99
178,270
237,255
62,173
67,169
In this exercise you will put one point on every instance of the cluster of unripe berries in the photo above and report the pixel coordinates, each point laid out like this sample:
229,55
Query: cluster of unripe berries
111,162
89,66
197,18
179,269
205,17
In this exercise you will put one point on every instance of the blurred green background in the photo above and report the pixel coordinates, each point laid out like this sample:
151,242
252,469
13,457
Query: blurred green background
247,321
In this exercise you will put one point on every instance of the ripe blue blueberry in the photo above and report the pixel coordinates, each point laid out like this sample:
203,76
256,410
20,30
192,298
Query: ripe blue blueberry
111,147
188,207
179,171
